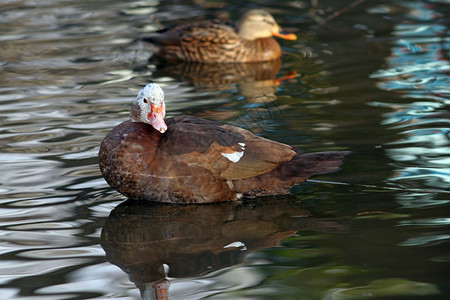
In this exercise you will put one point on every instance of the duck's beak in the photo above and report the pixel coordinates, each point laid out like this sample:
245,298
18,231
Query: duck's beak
156,118
279,32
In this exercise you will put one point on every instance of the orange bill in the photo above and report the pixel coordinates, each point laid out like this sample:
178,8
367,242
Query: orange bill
278,32
156,118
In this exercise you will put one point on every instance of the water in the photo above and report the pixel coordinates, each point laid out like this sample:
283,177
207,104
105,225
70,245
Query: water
373,79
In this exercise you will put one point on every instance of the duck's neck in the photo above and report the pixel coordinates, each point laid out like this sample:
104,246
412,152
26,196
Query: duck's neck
135,112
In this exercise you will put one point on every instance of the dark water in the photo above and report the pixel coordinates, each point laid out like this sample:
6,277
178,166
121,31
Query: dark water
373,78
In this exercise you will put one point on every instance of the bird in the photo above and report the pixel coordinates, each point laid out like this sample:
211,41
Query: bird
218,41
185,159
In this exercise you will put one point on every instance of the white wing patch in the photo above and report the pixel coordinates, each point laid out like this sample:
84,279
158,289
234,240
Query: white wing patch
235,156
235,245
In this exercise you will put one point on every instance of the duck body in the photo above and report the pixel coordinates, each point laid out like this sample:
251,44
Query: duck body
201,161
211,42
215,41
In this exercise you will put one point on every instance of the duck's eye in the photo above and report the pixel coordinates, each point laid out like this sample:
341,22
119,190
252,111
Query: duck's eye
145,100
271,23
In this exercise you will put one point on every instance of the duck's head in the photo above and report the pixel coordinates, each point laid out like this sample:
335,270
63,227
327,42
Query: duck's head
149,107
258,23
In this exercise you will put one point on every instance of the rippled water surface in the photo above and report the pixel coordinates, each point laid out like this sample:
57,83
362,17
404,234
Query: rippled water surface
367,76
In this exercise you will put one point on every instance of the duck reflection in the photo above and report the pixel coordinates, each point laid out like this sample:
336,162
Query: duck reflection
256,85
151,242
222,76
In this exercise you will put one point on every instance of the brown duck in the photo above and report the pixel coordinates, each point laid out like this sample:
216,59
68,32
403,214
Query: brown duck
186,159
217,41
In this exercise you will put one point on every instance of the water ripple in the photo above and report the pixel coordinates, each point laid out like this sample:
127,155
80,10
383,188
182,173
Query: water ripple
425,240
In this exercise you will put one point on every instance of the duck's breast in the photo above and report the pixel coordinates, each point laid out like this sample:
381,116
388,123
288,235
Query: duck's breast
127,152
264,49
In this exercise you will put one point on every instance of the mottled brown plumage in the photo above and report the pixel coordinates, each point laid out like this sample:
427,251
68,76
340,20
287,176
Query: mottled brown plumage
201,161
220,42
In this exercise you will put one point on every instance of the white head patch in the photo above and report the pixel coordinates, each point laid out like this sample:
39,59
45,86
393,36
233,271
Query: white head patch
153,93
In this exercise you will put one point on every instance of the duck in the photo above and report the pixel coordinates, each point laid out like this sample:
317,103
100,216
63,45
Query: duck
218,41
185,159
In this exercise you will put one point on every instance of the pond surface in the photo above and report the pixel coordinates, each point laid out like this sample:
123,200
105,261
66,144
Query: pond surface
367,76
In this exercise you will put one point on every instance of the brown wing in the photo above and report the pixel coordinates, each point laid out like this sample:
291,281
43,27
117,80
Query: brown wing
226,151
205,41
216,31
260,156
298,169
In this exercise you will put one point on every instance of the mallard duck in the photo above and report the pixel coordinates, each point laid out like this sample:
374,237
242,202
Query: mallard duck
186,159
215,41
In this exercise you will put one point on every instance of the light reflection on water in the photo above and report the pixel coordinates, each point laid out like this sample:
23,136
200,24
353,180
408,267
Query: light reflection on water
419,70
70,70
